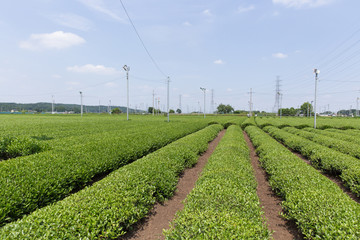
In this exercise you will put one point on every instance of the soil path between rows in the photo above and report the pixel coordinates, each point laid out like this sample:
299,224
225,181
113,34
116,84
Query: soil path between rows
282,229
161,215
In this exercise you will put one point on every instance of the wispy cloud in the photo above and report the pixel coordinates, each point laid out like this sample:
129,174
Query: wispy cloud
73,21
55,40
303,3
219,62
280,55
207,12
57,76
99,6
242,9
187,24
90,68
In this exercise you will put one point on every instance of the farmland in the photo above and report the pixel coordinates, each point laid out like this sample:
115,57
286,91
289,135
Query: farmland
96,177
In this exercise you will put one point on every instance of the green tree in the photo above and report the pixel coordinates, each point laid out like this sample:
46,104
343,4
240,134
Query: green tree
171,111
150,110
116,111
178,110
225,109
304,108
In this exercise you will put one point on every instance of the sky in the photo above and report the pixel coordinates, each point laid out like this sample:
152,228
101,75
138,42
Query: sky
52,50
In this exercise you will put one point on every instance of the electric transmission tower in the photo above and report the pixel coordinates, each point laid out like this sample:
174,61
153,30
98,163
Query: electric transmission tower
277,96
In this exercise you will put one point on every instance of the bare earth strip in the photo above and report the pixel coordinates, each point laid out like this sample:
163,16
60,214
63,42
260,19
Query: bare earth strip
162,214
282,229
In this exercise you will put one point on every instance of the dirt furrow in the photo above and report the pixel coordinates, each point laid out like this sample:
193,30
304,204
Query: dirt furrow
282,229
162,214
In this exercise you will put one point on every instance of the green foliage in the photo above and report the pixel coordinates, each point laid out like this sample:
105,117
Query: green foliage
150,109
224,203
319,207
73,162
108,208
248,122
225,109
322,157
12,147
171,111
115,111
178,110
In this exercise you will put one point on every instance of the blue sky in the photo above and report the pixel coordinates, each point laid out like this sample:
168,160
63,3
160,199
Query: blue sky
58,48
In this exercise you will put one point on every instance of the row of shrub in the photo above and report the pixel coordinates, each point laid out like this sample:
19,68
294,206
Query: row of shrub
339,134
12,147
109,207
337,144
319,207
224,203
324,158
27,183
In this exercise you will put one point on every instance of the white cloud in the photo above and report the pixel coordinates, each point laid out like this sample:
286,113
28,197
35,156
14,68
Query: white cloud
188,24
99,6
275,14
303,3
56,76
111,84
207,12
219,61
229,89
242,9
90,68
279,55
73,21
73,83
55,40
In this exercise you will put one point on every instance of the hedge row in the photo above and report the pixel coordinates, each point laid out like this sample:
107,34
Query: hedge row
341,135
27,183
324,158
224,203
108,208
337,144
319,207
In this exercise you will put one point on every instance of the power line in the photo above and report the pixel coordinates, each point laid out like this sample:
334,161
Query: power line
142,42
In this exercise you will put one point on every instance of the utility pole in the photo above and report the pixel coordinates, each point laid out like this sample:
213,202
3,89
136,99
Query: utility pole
250,103
158,105
316,71
212,101
81,101
52,105
153,110
127,69
180,103
308,110
280,104
204,90
168,110
357,106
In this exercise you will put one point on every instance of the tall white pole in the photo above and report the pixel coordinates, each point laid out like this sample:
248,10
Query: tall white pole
52,105
127,69
153,110
316,71
204,91
81,100
168,86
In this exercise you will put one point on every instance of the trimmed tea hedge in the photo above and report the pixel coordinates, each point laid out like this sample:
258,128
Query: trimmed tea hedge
224,203
319,207
108,208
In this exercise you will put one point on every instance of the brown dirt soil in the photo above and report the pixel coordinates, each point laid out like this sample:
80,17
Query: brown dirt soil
161,215
282,229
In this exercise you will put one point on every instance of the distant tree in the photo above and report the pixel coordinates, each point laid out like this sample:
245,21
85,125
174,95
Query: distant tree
171,111
150,110
60,109
225,109
178,110
116,111
304,108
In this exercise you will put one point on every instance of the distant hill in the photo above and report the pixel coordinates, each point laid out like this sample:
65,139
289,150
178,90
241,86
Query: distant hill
58,107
